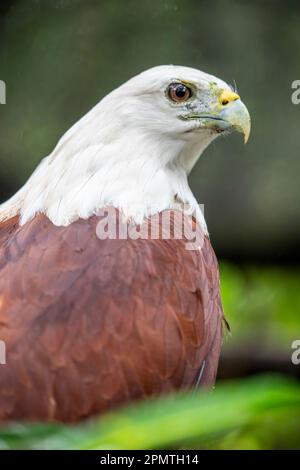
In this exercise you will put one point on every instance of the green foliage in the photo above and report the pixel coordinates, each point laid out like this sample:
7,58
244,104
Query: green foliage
262,305
261,412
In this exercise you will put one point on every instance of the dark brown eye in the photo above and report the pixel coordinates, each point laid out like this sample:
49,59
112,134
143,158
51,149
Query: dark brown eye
179,92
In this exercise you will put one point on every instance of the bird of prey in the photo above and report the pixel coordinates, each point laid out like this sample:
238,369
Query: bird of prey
91,322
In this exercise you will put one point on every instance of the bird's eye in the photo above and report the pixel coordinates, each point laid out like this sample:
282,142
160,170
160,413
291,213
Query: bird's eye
179,92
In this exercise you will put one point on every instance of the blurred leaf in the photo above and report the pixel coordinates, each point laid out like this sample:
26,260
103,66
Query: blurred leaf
262,304
234,415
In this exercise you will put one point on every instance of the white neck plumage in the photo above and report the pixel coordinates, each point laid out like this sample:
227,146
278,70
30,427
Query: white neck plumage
103,161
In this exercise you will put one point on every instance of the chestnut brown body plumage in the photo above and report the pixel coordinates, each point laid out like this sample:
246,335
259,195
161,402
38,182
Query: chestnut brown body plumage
90,324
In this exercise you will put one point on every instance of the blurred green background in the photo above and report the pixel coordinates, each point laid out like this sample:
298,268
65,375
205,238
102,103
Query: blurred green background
59,57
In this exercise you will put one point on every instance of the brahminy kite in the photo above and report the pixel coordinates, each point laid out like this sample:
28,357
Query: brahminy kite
92,319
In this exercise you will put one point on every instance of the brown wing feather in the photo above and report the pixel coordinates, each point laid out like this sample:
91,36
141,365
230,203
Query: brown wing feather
90,324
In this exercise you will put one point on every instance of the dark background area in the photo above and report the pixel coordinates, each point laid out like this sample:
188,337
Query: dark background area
59,57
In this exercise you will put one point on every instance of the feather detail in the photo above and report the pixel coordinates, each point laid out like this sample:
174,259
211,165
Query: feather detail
91,324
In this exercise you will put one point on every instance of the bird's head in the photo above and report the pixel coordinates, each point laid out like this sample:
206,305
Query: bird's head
135,148
183,102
